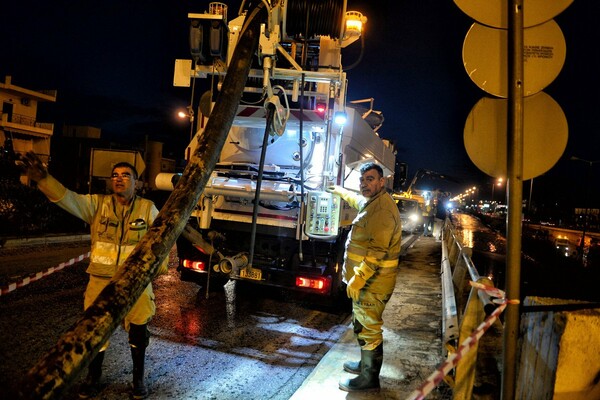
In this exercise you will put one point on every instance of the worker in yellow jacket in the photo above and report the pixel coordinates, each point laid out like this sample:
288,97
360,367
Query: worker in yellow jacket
428,218
118,221
370,267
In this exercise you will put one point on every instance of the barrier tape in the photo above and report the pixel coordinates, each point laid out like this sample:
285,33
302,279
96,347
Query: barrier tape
452,361
26,281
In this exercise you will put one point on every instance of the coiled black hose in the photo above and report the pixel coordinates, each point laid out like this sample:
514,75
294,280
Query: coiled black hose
315,18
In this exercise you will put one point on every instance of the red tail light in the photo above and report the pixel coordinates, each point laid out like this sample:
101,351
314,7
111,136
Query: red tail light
321,107
195,265
321,284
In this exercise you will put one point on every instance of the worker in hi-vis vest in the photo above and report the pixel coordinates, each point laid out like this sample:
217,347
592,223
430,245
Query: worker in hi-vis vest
118,221
370,267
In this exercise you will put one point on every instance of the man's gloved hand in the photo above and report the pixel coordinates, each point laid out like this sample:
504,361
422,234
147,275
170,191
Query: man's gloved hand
354,285
35,169
331,189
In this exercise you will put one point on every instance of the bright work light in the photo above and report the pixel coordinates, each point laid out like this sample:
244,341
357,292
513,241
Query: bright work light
340,117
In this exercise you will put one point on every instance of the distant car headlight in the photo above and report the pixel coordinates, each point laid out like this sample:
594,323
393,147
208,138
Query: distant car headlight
413,217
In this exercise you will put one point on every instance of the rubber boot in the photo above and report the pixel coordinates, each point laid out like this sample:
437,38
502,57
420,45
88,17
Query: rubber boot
139,388
368,379
354,367
91,385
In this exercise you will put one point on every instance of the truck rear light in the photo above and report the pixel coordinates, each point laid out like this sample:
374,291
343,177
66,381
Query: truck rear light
320,284
195,265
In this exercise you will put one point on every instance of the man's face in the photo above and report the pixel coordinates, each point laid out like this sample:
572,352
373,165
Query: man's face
123,182
371,183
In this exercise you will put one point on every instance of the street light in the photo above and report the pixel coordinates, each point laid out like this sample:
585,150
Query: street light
188,114
494,184
586,201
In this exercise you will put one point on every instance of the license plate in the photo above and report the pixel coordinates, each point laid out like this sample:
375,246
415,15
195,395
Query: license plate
251,273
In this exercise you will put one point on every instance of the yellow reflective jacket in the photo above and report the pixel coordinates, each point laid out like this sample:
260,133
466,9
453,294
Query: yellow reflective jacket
428,211
115,229
373,245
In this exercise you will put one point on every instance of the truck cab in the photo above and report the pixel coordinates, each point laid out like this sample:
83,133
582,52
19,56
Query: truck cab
410,214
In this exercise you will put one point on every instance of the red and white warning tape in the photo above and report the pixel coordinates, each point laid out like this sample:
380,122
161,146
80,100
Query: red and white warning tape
26,281
452,361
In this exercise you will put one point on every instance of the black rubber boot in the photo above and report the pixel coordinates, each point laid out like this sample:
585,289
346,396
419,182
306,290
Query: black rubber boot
91,385
139,338
138,355
368,379
354,367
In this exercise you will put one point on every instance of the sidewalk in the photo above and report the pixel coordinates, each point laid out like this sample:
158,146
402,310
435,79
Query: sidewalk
412,335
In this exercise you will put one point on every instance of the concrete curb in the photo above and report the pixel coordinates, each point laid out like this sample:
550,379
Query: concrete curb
42,240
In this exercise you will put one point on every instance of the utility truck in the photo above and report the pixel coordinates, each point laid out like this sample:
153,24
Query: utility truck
265,215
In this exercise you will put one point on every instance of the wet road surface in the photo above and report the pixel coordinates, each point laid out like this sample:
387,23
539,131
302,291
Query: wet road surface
489,246
544,272
243,342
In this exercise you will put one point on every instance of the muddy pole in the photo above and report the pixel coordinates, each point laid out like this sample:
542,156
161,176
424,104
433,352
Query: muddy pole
60,366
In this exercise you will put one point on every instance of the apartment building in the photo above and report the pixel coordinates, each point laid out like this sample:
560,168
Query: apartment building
19,123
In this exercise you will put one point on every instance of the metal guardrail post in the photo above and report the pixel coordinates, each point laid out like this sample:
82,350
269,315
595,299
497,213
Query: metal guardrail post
453,250
466,369
458,277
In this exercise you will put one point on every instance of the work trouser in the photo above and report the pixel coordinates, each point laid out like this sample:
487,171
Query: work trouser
140,314
368,310
367,318
428,225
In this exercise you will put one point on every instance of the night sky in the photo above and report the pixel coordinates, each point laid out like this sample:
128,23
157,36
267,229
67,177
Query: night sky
112,64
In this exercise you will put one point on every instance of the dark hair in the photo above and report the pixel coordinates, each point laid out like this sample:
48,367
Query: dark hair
371,165
124,164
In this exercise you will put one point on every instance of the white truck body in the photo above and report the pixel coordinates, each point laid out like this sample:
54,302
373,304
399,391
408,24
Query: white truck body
295,236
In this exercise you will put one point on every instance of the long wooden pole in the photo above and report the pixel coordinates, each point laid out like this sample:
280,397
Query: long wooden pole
60,366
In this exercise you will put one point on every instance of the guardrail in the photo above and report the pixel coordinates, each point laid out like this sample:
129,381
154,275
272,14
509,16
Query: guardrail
460,316
553,358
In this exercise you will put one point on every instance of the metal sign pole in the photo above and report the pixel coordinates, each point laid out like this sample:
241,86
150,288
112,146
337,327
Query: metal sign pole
515,196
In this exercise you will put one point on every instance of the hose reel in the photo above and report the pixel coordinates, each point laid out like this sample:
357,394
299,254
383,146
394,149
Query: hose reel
310,18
